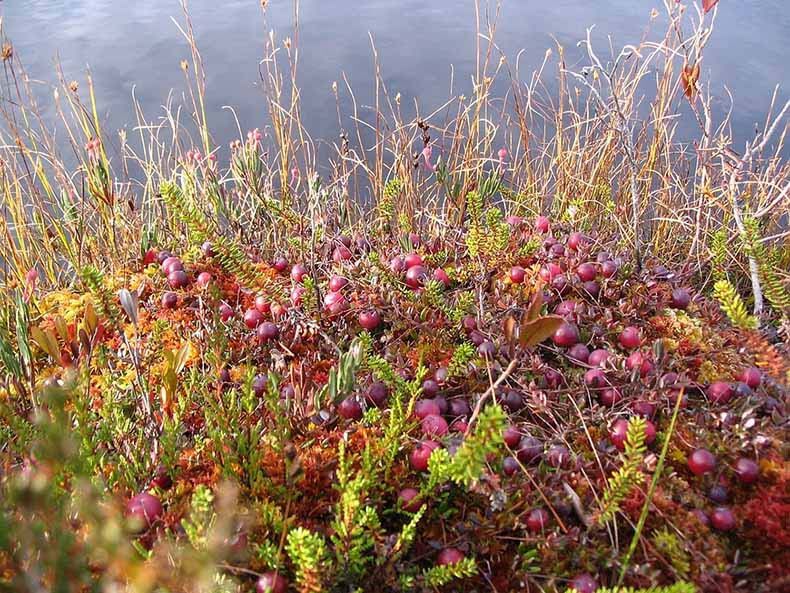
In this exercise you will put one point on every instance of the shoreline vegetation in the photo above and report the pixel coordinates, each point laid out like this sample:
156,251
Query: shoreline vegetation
528,342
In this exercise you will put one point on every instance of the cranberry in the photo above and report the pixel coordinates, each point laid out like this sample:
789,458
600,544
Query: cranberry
434,426
584,583
420,455
460,407
609,397
549,272
207,249
723,519
162,256
512,400
350,409
517,274
415,276
408,499
552,377
747,470
171,264
566,308
397,264
566,335
377,394
411,260
537,520
177,279
586,272
579,353
487,349
149,257
280,264
510,465
576,240
718,494
598,358
595,379
341,253
558,456
225,312
542,224
639,361
169,300
441,375
681,298
469,323
426,407
460,426
529,450
298,272
145,508
441,276
442,403
271,582
608,269
511,436
203,279
162,478
262,304
701,461
430,387
592,288
629,338
267,331
449,556
252,318
751,376
370,319
720,392
557,250
259,384
337,282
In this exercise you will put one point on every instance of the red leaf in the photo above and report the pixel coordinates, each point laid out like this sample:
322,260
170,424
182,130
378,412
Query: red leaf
707,5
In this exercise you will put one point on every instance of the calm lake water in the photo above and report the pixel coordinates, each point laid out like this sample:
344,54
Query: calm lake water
135,44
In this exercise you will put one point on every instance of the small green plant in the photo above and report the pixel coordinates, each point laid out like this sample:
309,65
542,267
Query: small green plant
310,557
438,576
732,304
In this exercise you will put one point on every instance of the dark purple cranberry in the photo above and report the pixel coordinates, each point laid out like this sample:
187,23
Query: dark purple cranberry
377,394
459,407
469,323
162,256
267,331
510,466
584,583
350,409
511,436
287,392
442,403
592,288
742,390
701,461
558,456
430,387
718,494
512,400
723,519
476,338
609,397
557,250
409,500
681,298
579,353
559,283
529,450
537,520
441,375
487,349
644,408
169,300
259,384
552,377
609,269
747,470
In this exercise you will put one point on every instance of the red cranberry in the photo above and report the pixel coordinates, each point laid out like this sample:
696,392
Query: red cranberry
350,409
584,583
203,279
701,461
619,432
337,282
177,279
566,308
537,520
377,394
576,240
549,272
720,392
145,508
280,264
559,283
747,470
630,338
252,318
420,455
434,426
595,379
397,264
169,300
459,426
639,361
267,331
369,320
566,335
171,264
542,224
408,499
449,556
609,397
469,323
517,274
225,312
723,519
476,337
681,298
341,253
207,249
586,272
149,257
441,276
298,272
426,407
262,304
552,377
413,259
415,276
271,582
162,478
297,292
751,376
598,358
511,436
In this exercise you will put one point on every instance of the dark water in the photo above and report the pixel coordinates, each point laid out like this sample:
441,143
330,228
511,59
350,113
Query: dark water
135,44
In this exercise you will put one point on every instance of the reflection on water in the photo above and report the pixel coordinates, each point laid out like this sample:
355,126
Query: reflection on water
135,45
